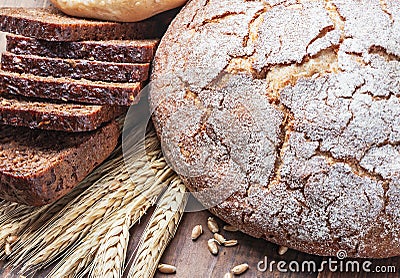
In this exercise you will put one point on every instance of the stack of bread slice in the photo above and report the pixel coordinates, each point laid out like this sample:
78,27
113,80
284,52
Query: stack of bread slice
63,81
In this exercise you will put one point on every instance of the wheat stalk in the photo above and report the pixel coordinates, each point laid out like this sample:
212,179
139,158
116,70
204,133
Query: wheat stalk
113,198
110,257
109,263
10,211
69,225
159,231
65,230
81,255
33,234
95,214
15,225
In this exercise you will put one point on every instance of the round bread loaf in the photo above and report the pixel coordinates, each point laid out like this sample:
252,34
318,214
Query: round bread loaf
288,114
116,10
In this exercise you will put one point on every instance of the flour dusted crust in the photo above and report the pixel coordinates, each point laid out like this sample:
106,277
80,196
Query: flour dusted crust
293,107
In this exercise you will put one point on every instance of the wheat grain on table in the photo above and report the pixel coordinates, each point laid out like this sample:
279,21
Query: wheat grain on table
192,258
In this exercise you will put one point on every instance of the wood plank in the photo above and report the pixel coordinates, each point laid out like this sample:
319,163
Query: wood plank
193,259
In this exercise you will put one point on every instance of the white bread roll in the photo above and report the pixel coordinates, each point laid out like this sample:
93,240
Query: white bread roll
116,10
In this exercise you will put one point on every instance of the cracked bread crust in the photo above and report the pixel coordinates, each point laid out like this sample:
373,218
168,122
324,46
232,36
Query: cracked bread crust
290,111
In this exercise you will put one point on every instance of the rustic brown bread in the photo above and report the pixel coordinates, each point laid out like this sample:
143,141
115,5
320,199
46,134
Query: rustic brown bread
52,25
76,69
117,51
290,119
67,89
53,115
38,167
116,10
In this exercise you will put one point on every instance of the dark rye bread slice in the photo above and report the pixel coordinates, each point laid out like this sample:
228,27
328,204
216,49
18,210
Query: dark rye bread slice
67,89
117,51
52,115
52,25
76,69
38,167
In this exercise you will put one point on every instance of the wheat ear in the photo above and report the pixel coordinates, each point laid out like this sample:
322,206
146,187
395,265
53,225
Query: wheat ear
10,209
120,185
57,239
69,225
159,230
110,257
36,233
58,224
82,254
18,223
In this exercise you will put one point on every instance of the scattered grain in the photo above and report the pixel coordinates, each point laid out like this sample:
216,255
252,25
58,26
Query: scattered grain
228,275
212,225
239,269
230,243
219,238
282,250
197,231
166,268
230,228
212,246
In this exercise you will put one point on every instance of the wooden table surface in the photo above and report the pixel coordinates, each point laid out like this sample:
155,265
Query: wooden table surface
193,259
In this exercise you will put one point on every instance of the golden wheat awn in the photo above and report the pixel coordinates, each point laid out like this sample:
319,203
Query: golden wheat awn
110,262
14,226
159,231
113,198
99,201
7,208
81,256
35,233
110,257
